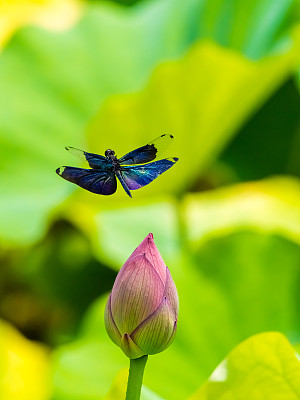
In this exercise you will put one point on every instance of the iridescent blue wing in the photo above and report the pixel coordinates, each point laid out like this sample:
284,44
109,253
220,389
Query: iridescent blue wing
93,180
94,160
138,176
148,152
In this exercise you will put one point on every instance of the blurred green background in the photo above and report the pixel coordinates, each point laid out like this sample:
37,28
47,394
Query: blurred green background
223,77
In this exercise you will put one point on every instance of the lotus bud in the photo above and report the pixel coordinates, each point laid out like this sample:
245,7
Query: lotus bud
142,309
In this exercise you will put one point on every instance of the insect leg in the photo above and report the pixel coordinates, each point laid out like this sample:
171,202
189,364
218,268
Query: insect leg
123,183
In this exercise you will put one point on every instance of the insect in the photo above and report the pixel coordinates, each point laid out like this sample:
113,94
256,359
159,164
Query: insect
134,170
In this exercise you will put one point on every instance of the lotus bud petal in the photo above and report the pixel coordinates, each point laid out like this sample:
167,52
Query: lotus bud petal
142,309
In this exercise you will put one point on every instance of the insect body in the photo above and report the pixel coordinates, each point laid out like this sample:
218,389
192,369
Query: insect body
134,170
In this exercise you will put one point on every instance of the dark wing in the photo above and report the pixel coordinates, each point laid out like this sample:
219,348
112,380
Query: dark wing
148,152
99,182
138,176
94,160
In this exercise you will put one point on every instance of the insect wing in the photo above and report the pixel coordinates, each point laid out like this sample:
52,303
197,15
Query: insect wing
94,160
93,180
138,176
148,152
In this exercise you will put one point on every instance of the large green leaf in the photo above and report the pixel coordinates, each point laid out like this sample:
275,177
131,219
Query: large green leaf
252,27
270,205
263,367
86,369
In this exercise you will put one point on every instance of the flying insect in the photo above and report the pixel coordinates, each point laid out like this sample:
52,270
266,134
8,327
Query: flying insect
134,170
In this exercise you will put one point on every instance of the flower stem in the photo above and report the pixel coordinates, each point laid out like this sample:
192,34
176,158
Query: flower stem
135,378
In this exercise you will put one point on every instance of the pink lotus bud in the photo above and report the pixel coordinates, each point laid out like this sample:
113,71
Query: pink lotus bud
142,309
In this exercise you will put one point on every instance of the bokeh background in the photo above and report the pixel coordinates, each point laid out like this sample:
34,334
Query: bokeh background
223,77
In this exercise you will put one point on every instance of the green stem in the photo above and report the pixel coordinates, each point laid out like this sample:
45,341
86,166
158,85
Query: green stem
135,378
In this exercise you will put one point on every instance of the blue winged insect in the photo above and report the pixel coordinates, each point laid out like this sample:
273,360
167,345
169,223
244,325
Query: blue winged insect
134,170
